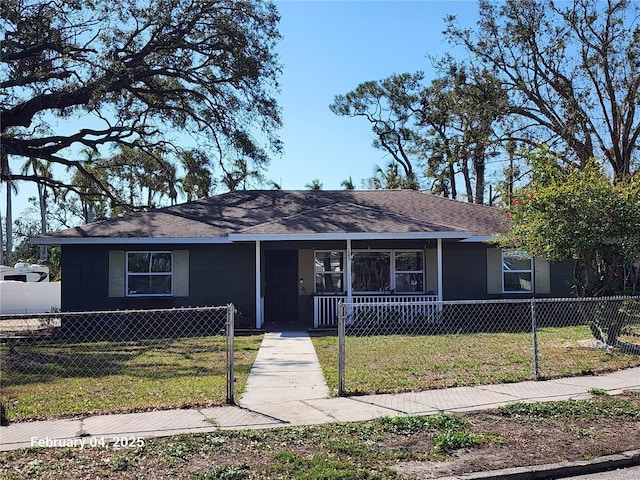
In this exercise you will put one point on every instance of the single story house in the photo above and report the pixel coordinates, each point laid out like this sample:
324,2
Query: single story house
291,256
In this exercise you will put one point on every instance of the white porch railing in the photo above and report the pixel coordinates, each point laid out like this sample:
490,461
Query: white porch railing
325,307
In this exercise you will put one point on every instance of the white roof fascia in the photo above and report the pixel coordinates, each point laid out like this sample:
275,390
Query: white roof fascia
477,239
127,240
239,237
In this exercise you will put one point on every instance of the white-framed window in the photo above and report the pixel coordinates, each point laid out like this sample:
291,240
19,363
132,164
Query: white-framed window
381,271
517,272
372,271
149,274
329,270
409,271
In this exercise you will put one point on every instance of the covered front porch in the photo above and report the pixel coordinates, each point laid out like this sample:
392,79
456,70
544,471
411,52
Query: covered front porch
402,271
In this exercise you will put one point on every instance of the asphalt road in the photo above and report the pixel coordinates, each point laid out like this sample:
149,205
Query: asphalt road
631,473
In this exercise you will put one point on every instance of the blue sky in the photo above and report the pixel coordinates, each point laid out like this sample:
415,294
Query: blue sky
329,47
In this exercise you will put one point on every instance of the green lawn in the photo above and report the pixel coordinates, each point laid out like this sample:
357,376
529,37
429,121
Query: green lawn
402,363
60,380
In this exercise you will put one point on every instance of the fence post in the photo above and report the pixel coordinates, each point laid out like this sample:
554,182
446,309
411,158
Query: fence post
342,310
534,329
230,349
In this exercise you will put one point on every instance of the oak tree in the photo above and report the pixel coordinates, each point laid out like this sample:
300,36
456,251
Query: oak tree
571,71
94,74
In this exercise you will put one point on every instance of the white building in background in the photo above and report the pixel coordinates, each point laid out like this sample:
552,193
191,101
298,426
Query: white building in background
26,288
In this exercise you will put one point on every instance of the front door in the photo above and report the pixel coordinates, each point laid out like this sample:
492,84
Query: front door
281,289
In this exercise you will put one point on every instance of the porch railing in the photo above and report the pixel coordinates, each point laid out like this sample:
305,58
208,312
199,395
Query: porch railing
325,307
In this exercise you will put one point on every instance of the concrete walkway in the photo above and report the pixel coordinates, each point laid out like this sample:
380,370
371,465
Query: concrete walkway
285,376
286,387
286,369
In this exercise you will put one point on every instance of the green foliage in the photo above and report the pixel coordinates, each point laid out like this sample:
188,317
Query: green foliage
580,214
197,181
227,472
598,391
183,447
348,184
391,107
450,439
452,431
314,185
404,425
319,466
390,178
139,76
444,421
442,130
603,406
122,462
409,425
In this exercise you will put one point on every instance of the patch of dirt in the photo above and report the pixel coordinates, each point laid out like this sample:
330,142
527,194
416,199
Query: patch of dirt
519,443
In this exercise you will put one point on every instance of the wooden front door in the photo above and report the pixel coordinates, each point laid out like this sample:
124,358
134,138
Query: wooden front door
281,289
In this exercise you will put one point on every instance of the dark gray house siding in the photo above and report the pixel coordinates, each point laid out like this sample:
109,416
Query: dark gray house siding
464,274
86,279
218,275
561,278
223,274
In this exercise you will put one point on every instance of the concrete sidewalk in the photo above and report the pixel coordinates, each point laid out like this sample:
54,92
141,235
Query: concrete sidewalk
286,387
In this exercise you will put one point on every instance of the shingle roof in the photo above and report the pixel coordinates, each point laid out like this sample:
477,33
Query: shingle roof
267,212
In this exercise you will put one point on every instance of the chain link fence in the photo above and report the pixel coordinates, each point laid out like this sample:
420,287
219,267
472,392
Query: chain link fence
67,363
417,346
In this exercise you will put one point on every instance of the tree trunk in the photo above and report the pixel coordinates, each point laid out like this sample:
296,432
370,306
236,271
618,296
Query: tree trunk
452,176
479,167
1,243
9,222
467,180
42,195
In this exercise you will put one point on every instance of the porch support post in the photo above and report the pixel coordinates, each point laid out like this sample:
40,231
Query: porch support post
259,312
348,279
439,254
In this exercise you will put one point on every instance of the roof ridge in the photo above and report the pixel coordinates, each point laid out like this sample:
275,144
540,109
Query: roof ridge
460,202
